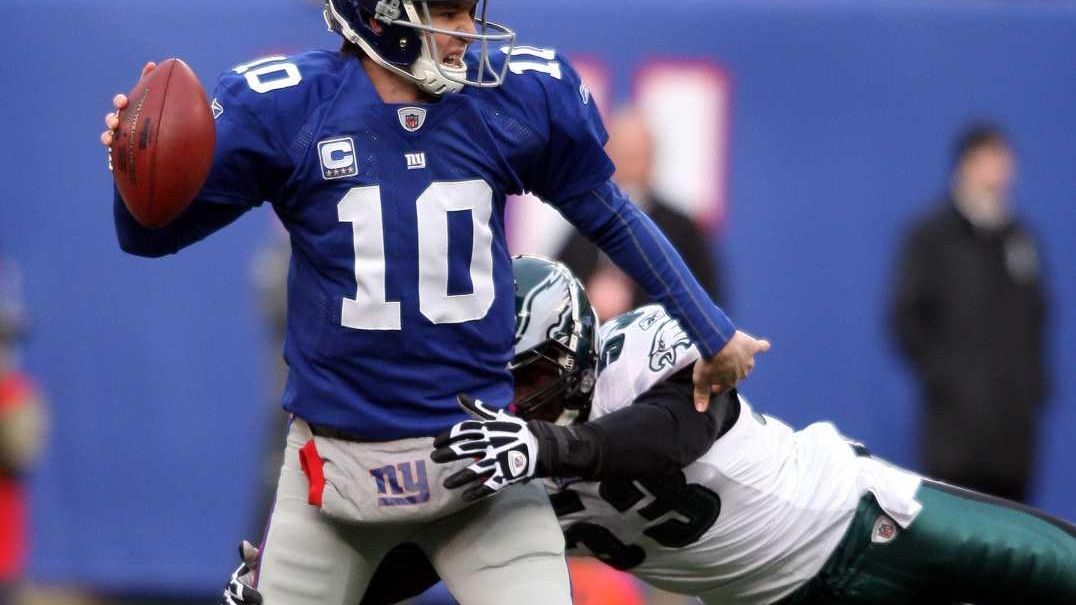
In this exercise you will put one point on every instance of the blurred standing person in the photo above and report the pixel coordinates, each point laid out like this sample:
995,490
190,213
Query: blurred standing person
270,276
631,147
968,312
21,435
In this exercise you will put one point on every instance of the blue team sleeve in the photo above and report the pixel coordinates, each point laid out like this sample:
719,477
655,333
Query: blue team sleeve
574,161
606,216
250,164
196,223
574,177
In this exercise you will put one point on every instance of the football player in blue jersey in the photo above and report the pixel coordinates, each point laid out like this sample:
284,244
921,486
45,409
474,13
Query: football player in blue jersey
389,163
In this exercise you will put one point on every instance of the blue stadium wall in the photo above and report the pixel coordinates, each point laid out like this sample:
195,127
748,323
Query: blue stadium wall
842,113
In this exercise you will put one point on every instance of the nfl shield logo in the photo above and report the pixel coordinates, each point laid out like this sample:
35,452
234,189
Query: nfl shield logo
412,118
885,529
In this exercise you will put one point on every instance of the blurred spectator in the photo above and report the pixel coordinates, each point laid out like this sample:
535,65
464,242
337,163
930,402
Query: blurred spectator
968,311
270,278
631,147
21,435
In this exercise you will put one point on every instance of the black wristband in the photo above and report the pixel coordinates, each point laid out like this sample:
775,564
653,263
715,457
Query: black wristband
567,451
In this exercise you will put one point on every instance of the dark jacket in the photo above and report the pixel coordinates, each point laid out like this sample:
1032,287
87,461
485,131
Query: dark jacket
968,312
584,258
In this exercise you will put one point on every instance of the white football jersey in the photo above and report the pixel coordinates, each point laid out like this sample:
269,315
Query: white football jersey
750,521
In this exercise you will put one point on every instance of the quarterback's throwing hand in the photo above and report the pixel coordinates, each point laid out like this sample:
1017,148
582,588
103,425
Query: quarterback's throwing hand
239,590
504,449
726,369
112,119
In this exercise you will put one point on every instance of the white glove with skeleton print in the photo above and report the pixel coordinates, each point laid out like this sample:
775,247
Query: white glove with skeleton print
504,449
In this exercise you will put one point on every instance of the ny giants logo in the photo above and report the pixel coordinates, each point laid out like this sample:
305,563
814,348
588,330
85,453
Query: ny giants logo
402,484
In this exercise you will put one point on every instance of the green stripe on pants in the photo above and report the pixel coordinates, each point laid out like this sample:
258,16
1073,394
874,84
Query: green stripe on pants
964,547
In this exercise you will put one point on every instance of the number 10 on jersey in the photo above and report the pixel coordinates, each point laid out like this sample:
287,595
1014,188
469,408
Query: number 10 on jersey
370,309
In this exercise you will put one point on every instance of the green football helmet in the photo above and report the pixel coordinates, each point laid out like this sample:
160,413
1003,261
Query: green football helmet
556,343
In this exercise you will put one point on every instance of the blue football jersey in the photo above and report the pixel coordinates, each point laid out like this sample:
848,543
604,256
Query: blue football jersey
400,290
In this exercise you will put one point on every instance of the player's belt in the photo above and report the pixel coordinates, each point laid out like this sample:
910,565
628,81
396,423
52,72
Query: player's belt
334,433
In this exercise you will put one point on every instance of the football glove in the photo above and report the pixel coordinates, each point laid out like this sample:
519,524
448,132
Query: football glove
240,589
504,451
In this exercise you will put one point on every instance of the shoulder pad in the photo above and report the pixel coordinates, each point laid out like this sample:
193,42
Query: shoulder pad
533,67
279,92
638,350
284,84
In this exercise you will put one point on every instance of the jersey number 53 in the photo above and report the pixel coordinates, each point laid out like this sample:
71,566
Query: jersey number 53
695,509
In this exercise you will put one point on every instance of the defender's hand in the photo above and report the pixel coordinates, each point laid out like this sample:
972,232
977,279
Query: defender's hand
112,120
726,369
504,449
240,590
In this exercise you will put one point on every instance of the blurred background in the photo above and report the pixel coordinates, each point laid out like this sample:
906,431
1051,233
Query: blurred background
796,146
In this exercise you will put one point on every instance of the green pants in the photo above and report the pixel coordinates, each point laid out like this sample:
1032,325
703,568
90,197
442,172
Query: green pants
964,547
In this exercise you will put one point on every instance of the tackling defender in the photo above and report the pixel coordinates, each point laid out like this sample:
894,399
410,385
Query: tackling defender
764,515
389,163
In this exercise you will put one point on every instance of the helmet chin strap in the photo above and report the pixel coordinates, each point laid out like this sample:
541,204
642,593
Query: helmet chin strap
428,73
427,76
568,417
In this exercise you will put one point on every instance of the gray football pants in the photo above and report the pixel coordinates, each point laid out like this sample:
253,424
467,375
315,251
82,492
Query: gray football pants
504,549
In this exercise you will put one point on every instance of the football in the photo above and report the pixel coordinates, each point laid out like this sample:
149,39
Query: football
163,149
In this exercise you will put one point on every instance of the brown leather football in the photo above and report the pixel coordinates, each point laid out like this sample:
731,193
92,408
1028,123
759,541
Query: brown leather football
163,149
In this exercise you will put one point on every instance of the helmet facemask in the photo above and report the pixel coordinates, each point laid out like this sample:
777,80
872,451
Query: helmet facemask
406,44
548,388
455,78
